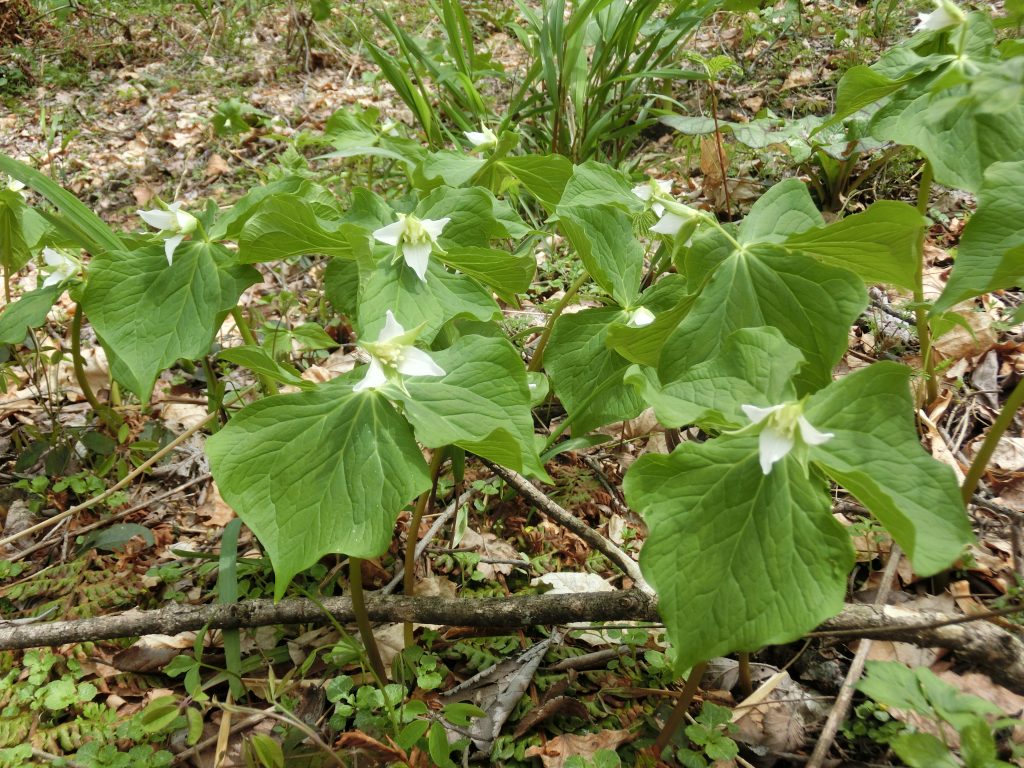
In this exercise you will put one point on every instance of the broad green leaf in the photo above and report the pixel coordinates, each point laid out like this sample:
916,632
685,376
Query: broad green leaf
759,558
991,253
341,285
14,250
319,472
477,217
755,367
151,314
586,374
545,176
876,455
603,237
594,184
862,86
812,304
259,362
286,225
954,132
29,311
506,273
643,345
228,225
893,685
446,168
442,297
481,405
922,750
881,245
234,277
90,230
784,210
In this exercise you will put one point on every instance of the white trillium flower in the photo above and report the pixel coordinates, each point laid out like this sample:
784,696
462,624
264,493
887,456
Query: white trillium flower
483,138
174,221
415,237
652,189
16,186
640,317
393,350
782,425
63,266
945,15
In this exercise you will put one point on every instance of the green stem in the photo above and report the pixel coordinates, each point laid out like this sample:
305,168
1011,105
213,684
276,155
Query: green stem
267,384
537,361
79,363
746,681
924,333
984,454
581,408
679,713
409,583
355,582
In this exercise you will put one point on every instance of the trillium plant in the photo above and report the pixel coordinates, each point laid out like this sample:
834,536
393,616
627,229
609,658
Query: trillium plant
732,329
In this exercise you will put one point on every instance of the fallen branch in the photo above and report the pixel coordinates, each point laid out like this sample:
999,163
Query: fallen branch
981,643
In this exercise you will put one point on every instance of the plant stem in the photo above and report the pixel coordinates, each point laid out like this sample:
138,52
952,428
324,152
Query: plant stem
537,361
924,332
746,682
679,713
988,447
267,384
409,583
355,582
719,149
79,363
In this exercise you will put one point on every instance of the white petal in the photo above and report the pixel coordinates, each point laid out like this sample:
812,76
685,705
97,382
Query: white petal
811,435
640,317
392,329
185,222
659,210
374,377
664,186
159,219
417,256
433,227
416,362
173,207
772,446
169,245
53,258
643,191
390,234
669,224
53,279
757,415
476,138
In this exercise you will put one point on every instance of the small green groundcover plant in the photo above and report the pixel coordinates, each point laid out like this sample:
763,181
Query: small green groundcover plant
733,328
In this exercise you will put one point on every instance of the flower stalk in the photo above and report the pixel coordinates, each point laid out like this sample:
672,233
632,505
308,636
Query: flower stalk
424,501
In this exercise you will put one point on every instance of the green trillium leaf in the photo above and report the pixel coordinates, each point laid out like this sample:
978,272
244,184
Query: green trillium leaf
991,253
319,472
876,455
739,559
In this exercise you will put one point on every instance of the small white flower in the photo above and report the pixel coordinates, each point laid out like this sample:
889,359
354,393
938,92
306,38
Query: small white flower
779,434
651,190
946,14
669,224
640,317
174,221
16,186
394,350
416,238
483,138
63,266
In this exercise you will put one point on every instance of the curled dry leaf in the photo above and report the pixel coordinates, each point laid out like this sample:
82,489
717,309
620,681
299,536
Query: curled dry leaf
557,752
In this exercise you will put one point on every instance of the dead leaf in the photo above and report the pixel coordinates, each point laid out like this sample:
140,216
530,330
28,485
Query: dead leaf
216,166
557,752
798,78
961,342
1009,454
214,509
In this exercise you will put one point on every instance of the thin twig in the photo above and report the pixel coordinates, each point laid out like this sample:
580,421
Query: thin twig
845,697
605,546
